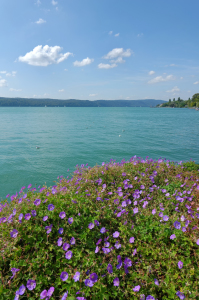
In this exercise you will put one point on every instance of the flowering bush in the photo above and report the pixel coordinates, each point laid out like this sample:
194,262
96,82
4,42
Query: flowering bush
125,230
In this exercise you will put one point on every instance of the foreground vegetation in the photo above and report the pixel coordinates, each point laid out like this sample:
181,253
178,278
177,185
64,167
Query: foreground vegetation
191,103
125,230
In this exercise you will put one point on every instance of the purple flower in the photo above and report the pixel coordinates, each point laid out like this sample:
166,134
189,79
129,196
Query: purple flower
180,295
61,230
68,254
43,294
64,276
116,281
14,233
97,249
128,262
31,284
76,276
172,236
50,291
110,268
96,222
37,202
136,288
72,241
93,277
59,242
180,264
62,215
66,246
51,207
22,289
103,230
45,218
49,228
91,226
34,213
99,241
156,281
177,225
70,220
88,282
64,296
117,245
14,270
27,216
116,234
131,240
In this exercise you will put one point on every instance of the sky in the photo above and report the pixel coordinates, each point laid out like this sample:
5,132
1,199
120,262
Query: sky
93,50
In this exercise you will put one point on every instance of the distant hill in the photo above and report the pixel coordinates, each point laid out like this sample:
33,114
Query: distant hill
26,102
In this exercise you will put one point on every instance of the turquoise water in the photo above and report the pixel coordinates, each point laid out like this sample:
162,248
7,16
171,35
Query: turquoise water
71,136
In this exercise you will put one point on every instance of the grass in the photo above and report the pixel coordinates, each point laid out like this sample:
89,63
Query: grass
125,230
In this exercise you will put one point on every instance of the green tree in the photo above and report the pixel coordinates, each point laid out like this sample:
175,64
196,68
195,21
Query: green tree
174,99
169,100
195,96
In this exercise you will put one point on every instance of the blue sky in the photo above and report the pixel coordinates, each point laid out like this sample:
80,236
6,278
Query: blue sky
89,49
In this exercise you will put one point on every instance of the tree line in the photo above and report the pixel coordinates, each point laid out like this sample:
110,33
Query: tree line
193,102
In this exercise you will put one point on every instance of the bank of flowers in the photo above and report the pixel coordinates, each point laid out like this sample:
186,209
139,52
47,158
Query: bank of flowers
125,230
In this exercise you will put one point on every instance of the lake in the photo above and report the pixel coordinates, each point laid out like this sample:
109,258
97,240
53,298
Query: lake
67,136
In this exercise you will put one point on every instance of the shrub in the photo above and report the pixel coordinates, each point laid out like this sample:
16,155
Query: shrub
125,230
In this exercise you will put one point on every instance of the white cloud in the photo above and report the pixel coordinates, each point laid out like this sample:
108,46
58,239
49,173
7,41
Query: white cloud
106,66
61,90
40,21
118,52
92,95
110,32
84,62
181,77
197,82
15,90
38,2
54,2
175,89
118,60
151,72
140,34
117,34
3,72
65,69
44,56
13,74
172,65
160,79
3,83
127,98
